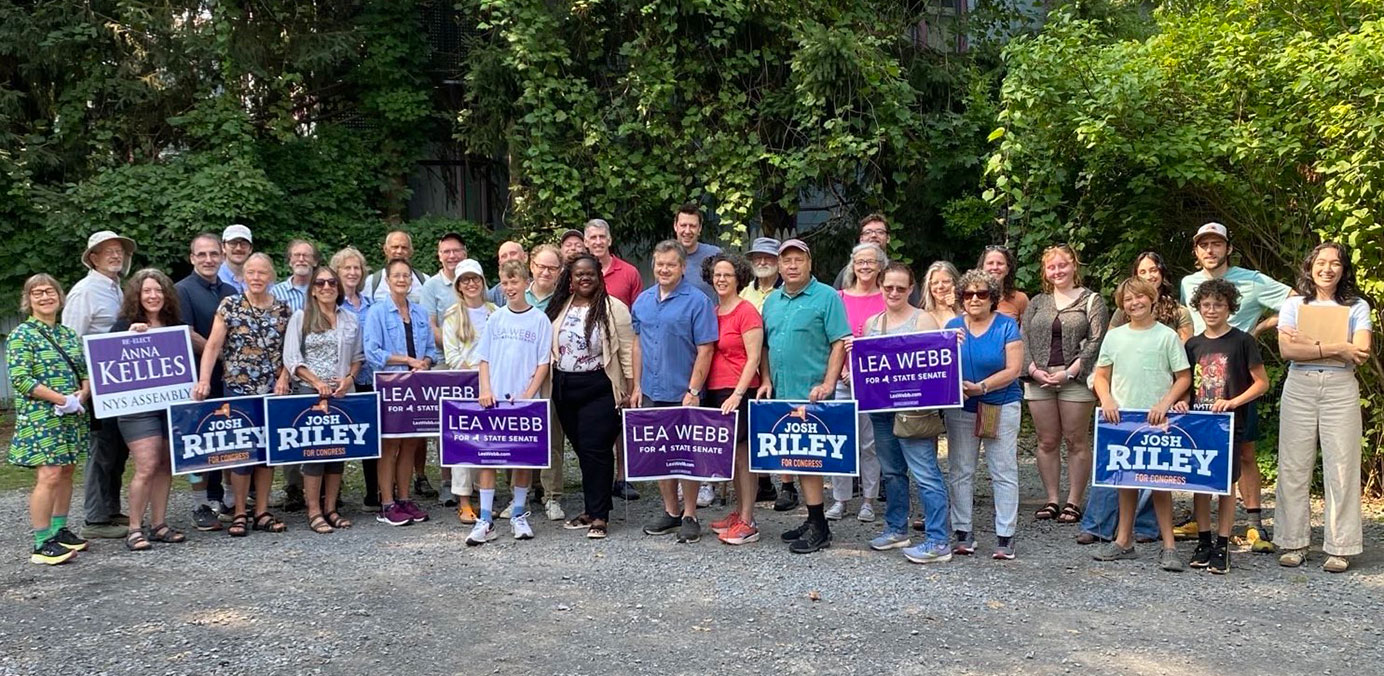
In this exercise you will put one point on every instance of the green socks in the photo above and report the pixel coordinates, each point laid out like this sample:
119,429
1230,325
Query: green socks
41,536
58,521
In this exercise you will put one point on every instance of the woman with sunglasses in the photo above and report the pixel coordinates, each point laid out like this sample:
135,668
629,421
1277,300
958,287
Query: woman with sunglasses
1063,327
462,326
991,356
323,352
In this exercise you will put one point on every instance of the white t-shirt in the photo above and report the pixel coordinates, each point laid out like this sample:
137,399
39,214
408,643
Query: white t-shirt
1359,321
514,344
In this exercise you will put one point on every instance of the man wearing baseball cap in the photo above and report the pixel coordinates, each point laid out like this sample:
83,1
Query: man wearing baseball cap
763,256
237,244
571,243
92,307
804,328
1259,295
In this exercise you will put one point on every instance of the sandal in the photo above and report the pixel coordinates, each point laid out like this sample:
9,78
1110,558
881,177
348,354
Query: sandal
579,522
269,523
164,533
1048,512
136,542
337,521
239,527
1070,514
597,531
319,525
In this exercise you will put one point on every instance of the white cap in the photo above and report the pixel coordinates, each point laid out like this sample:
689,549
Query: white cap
236,231
469,266
1212,228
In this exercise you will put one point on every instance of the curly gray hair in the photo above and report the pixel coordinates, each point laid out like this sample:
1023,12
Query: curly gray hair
981,279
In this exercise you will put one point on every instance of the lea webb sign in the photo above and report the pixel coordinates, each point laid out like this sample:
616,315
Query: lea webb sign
408,399
681,442
798,437
137,372
1190,452
906,371
509,435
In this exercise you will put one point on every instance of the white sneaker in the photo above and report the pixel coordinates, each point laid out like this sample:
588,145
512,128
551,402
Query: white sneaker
867,512
836,511
554,509
520,525
705,495
481,533
507,511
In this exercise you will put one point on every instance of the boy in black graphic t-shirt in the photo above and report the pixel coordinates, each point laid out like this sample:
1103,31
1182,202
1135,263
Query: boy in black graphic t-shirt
1227,375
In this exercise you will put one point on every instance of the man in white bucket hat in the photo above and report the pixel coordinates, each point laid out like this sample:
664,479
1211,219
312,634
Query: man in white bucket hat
92,307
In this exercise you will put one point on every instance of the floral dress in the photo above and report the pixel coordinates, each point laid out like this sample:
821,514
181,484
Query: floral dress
42,437
253,352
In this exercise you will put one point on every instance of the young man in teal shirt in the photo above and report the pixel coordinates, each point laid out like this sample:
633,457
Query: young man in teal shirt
1259,295
804,326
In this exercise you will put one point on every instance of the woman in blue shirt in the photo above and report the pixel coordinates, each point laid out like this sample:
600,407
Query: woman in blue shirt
349,264
398,337
991,354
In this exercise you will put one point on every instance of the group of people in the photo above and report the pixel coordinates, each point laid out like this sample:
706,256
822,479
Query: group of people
573,323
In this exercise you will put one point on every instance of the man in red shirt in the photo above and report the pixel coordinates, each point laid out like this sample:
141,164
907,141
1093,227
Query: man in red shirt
621,279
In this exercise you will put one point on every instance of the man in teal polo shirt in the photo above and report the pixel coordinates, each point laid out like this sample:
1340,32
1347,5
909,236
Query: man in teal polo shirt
804,325
1259,295
677,329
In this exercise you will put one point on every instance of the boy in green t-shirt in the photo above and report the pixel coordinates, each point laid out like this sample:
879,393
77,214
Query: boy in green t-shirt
1141,365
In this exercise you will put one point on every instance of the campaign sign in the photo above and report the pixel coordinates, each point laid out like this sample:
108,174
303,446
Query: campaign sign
906,371
797,437
137,372
408,399
680,442
307,428
510,434
216,434
1192,452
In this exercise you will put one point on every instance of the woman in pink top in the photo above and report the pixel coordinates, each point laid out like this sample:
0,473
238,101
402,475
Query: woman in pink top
863,299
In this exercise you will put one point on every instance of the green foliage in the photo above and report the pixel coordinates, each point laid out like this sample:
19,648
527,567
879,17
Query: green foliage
747,107
1264,116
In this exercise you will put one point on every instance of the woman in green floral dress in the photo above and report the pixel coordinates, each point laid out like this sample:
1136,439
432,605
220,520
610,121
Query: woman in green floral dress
49,379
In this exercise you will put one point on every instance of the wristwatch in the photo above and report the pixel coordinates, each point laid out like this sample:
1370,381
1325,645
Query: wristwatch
694,392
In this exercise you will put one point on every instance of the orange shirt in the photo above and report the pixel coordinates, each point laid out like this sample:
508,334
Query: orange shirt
1014,305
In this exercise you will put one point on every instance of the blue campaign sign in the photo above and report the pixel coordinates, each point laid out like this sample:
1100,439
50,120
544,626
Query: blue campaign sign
216,434
1192,452
308,428
798,437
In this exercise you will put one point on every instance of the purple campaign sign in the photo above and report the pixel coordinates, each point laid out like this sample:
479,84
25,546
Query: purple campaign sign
906,371
681,442
510,434
137,372
408,399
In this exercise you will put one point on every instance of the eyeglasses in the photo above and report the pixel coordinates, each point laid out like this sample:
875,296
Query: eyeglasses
874,231
868,262
43,293
889,288
469,279
981,294
547,268
324,283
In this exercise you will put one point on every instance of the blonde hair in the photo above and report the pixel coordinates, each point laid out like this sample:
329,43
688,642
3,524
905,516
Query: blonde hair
466,331
929,303
1138,287
26,308
1070,253
339,258
515,269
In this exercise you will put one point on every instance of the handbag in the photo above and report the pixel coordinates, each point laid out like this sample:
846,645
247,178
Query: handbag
987,420
918,424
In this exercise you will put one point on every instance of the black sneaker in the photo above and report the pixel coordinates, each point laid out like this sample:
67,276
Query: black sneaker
664,524
371,503
1201,558
766,491
293,499
624,490
787,498
794,534
1219,563
69,540
204,518
422,487
690,531
816,537
50,553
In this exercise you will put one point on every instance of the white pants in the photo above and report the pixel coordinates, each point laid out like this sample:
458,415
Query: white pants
869,462
1319,408
963,452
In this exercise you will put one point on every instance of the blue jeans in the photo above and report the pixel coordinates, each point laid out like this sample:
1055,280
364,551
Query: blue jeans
897,459
1103,512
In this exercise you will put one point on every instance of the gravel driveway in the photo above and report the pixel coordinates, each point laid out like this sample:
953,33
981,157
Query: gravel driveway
416,600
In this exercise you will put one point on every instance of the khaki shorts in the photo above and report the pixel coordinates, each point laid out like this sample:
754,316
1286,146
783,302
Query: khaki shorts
1072,390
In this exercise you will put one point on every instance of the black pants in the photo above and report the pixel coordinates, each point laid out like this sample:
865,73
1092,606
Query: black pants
107,454
370,467
586,407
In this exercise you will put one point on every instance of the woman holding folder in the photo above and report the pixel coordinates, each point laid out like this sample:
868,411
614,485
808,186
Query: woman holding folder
1325,331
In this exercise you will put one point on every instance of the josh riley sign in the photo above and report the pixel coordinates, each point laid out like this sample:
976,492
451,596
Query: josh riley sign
216,434
797,437
1190,452
137,372
306,428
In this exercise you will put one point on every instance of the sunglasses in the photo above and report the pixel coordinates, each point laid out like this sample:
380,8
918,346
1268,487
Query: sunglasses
324,283
889,288
983,294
